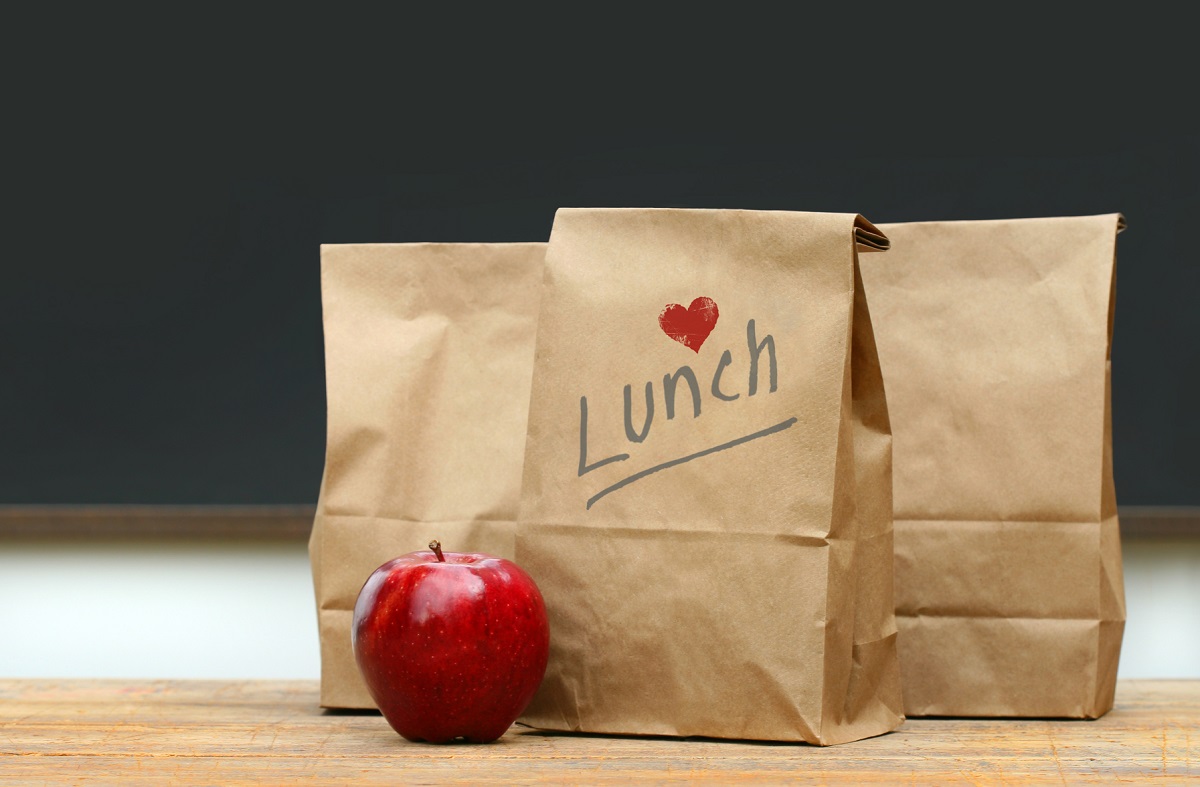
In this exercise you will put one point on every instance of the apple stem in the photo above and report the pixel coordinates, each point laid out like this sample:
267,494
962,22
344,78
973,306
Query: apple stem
436,546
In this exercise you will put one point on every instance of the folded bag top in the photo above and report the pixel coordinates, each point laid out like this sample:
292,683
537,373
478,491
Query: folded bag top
706,501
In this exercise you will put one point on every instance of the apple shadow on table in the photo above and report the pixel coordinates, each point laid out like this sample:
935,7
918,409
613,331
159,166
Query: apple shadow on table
350,712
386,731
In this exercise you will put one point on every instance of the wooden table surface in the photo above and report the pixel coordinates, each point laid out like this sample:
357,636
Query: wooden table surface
272,732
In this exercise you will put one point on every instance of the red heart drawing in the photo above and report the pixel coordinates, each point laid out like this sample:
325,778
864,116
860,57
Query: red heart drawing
690,326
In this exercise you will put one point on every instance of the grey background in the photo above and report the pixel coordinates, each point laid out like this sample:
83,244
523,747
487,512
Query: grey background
160,325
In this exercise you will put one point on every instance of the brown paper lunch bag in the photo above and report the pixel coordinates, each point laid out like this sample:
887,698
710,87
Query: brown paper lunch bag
706,502
995,339
428,361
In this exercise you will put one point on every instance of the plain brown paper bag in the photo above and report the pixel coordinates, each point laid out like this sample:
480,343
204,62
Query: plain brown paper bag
428,361
723,568
995,339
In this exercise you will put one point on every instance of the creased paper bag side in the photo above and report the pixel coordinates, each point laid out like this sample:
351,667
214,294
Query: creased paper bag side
994,339
870,698
429,354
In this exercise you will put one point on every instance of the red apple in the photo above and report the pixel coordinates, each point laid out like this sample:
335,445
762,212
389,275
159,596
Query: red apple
450,645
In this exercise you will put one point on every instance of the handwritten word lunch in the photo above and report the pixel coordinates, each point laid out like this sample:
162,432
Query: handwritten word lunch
721,388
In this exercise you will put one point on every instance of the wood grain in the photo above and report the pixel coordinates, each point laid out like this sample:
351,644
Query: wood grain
1159,522
224,523
271,732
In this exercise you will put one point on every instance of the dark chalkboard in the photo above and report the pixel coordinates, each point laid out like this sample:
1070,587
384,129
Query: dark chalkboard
160,305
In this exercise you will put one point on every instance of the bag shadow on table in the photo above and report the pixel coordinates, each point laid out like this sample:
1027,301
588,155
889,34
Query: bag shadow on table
995,340
706,502
428,361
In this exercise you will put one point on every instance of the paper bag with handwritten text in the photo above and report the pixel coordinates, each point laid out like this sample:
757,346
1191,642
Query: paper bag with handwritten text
994,337
428,360
706,502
